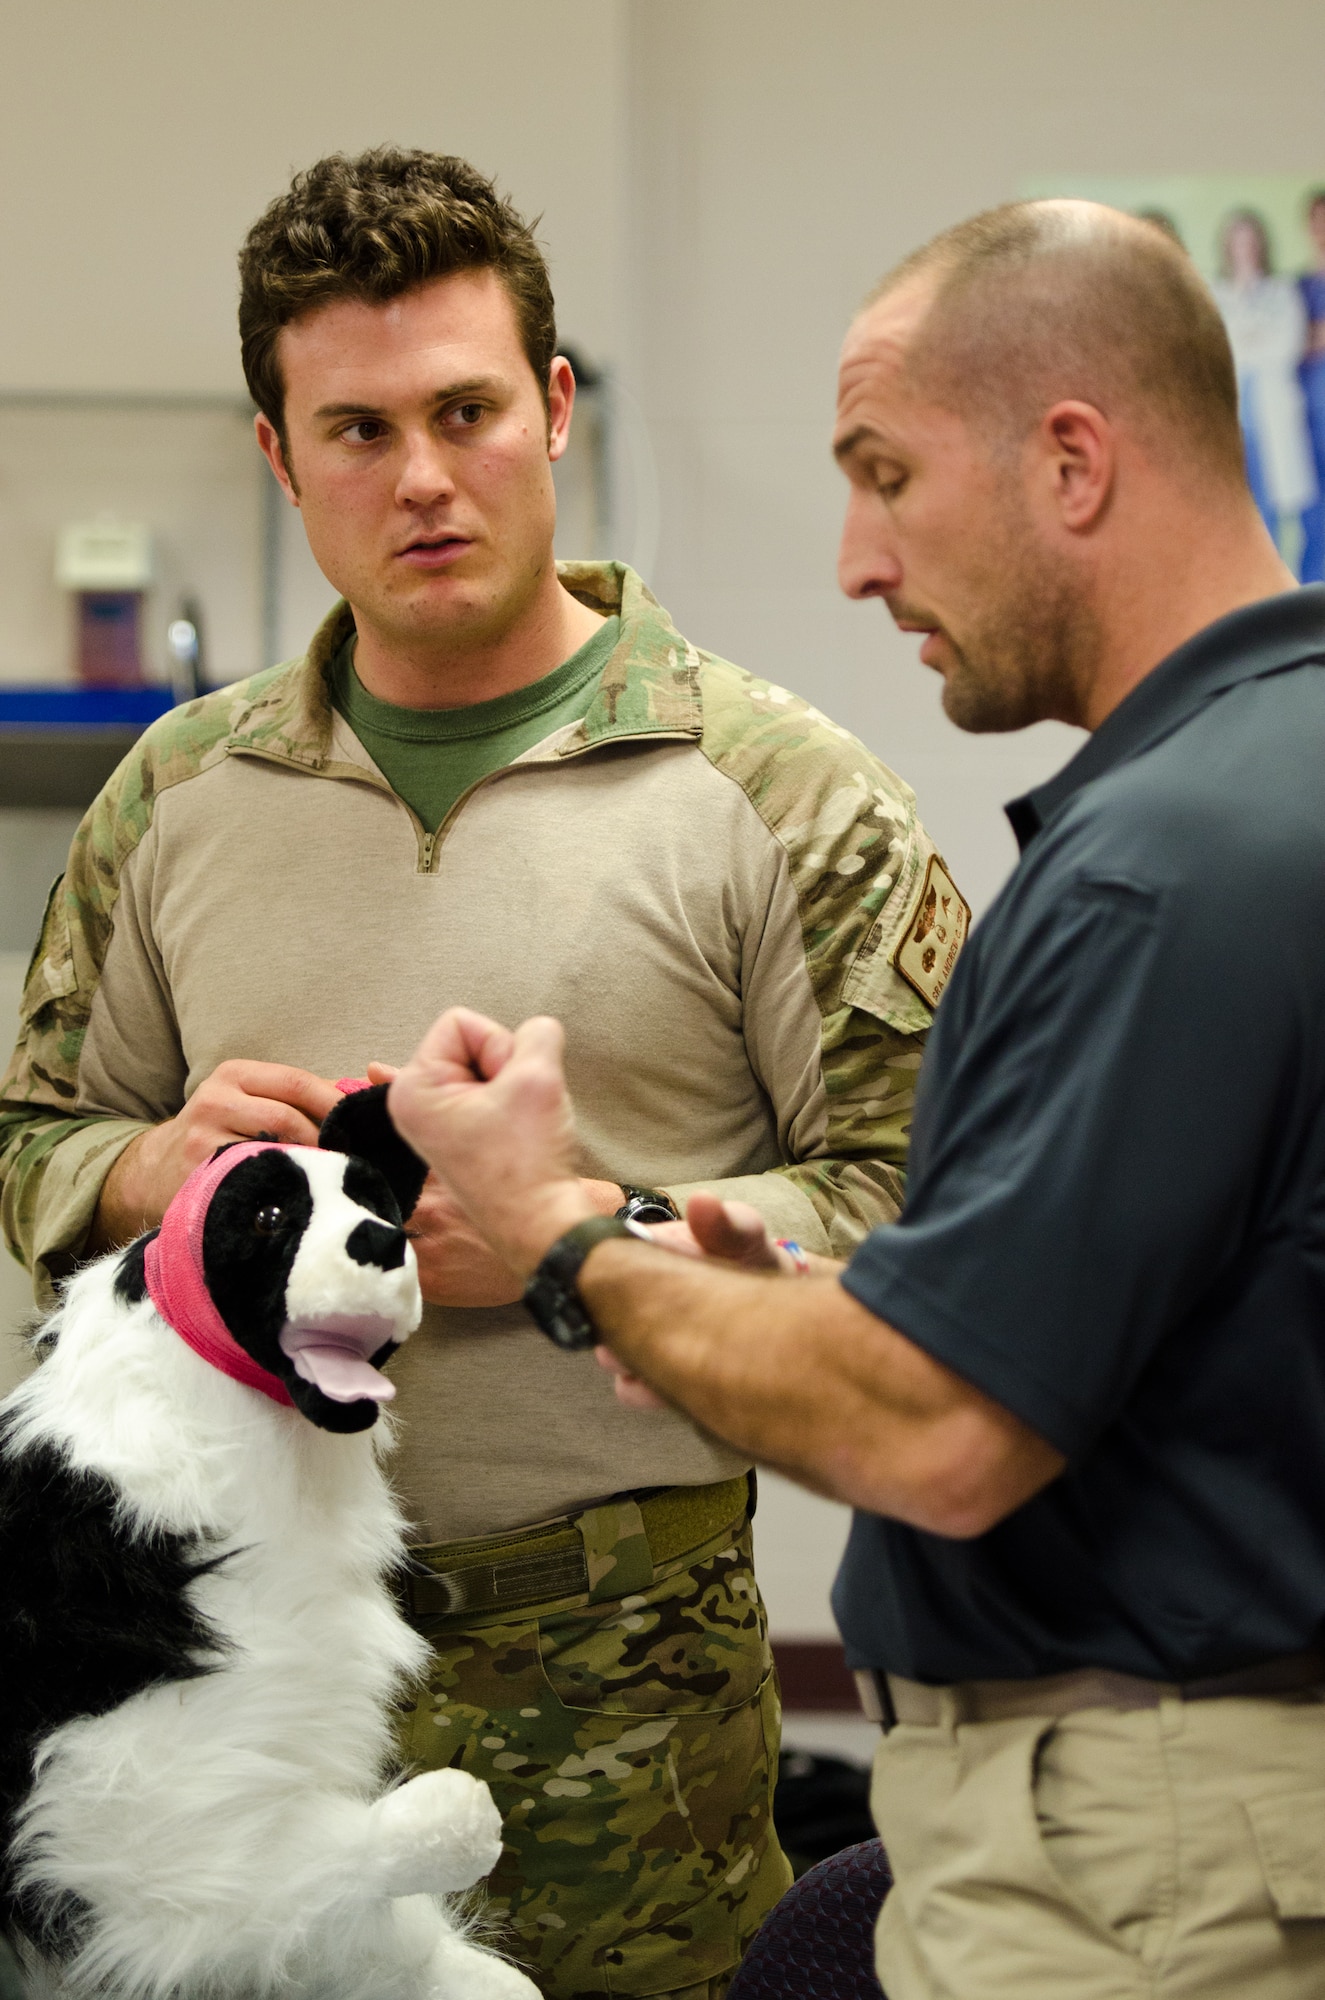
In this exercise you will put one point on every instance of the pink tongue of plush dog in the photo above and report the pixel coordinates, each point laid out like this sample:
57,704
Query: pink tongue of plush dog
333,1359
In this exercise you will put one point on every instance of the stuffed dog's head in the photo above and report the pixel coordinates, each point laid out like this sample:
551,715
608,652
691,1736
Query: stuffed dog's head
301,1253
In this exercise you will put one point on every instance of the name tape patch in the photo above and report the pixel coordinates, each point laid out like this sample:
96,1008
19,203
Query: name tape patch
927,950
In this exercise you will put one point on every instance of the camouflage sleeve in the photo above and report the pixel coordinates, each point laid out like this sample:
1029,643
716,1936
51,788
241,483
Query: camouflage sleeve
52,1159
864,873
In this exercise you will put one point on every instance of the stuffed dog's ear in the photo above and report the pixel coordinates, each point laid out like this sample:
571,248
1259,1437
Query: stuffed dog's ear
361,1124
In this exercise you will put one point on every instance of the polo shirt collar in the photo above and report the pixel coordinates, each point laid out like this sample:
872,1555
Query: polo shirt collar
1262,638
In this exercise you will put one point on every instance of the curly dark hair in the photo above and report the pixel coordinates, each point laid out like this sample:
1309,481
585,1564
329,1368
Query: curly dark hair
372,228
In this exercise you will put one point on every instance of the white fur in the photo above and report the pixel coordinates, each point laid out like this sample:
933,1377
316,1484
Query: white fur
325,1282
230,1833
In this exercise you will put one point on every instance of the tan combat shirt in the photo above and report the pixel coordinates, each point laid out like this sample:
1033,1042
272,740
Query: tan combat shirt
705,879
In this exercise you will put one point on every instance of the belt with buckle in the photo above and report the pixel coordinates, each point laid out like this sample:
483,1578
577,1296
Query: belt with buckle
889,1698
539,1565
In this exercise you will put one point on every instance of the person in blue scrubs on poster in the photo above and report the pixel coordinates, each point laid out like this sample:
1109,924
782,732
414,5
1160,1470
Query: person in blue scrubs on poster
1312,373
1267,329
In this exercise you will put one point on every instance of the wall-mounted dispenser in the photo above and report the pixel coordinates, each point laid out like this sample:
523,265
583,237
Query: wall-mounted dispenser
107,564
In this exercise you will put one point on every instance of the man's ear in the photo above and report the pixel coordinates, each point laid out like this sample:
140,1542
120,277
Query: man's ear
560,403
274,450
1078,451
361,1124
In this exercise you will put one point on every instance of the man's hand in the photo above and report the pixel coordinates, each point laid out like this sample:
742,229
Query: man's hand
490,1113
730,1231
239,1100
457,1265
720,1232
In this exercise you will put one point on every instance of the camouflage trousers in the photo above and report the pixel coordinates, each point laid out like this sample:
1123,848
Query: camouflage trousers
629,1732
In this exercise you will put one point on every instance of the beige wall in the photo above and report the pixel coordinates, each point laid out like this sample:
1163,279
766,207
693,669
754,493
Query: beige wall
720,181
141,137
783,157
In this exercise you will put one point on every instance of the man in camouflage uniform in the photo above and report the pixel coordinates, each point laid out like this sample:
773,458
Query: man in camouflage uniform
496,782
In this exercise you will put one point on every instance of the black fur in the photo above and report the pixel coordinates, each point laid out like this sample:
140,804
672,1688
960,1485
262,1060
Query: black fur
376,1243
131,1278
365,1185
361,1124
91,1614
246,1267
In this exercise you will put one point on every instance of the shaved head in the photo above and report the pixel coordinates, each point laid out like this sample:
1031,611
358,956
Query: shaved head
1040,302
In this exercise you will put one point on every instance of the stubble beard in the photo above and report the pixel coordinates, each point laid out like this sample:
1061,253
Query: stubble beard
477,616
1029,657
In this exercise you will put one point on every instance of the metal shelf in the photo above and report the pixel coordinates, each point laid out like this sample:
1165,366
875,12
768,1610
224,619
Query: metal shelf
58,768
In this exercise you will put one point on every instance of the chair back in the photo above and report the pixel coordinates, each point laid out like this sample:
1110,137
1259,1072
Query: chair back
818,1943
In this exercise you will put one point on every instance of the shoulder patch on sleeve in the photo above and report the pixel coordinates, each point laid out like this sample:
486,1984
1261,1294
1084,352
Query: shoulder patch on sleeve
927,949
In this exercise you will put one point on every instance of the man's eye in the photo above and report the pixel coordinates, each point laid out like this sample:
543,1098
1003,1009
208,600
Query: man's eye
367,431
469,414
268,1220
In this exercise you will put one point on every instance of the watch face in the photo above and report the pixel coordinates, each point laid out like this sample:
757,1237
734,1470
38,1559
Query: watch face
644,1210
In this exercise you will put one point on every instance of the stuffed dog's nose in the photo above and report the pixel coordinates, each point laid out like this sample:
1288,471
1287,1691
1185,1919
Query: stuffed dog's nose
377,1243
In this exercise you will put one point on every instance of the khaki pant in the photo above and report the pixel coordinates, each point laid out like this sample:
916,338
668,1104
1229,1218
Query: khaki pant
1175,1853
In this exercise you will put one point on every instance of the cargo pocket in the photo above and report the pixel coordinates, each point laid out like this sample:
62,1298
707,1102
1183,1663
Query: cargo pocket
669,1714
52,1015
1289,1832
1103,1810
50,974
695,1643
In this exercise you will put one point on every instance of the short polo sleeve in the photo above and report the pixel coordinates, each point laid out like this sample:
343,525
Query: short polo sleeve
1098,1108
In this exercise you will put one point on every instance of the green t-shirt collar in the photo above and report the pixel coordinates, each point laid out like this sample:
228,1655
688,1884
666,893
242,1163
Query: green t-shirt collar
479,718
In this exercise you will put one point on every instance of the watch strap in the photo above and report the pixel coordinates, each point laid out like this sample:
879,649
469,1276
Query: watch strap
551,1297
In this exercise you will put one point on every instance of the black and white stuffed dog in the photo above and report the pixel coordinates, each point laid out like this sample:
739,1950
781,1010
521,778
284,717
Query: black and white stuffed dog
200,1648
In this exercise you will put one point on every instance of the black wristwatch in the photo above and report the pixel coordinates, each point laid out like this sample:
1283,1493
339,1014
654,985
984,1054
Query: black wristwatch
551,1298
647,1205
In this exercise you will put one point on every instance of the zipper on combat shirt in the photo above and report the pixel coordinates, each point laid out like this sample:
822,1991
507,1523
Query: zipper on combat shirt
430,842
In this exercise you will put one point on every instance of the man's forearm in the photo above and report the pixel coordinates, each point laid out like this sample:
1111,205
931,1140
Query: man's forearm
124,1207
801,1376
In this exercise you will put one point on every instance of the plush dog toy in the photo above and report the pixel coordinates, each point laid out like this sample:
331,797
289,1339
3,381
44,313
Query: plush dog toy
199,1647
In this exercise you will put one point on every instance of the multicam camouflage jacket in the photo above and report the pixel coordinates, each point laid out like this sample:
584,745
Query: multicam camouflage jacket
728,900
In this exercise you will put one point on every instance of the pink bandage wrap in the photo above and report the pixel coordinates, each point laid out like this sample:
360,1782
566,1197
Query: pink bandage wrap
175,1281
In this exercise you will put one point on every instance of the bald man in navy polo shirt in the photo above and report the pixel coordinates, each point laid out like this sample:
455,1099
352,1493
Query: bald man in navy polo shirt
1077,1393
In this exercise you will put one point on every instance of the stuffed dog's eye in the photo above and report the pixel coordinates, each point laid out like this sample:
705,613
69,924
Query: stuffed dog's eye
268,1220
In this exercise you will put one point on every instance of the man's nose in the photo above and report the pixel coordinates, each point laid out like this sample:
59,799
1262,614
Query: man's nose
425,474
377,1243
867,562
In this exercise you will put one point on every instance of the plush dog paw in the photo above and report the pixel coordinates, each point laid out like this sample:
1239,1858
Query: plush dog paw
492,1979
437,1834
462,1972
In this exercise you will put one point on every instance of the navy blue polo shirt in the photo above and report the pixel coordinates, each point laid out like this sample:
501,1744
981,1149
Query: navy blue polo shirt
1115,1223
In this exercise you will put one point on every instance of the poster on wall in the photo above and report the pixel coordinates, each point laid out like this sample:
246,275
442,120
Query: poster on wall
1259,239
